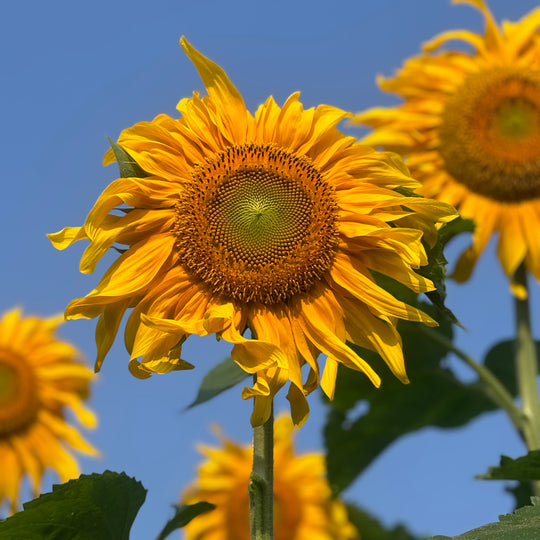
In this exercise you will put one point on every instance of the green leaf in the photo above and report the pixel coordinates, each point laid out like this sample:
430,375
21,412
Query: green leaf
128,167
523,524
522,493
94,506
435,397
220,378
524,468
370,528
184,514
455,227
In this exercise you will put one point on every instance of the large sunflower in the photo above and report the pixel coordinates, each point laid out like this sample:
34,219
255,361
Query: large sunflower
40,379
470,130
304,509
270,222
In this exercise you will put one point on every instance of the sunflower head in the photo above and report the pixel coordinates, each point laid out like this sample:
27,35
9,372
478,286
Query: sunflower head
469,127
40,379
262,229
272,217
303,506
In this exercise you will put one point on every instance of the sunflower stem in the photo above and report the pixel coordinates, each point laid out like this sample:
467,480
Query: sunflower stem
261,482
494,389
527,366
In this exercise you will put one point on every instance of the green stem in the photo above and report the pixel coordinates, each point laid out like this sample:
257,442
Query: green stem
527,366
493,387
261,482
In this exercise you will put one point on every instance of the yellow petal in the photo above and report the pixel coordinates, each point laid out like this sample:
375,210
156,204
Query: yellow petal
221,90
253,355
299,405
107,328
512,247
321,332
363,287
67,236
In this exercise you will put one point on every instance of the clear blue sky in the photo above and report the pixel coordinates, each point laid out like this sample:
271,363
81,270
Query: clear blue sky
74,73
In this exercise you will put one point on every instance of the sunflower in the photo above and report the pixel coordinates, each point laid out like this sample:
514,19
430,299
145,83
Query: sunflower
271,223
304,509
469,127
39,379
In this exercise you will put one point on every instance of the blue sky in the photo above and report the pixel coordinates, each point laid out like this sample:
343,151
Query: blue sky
76,73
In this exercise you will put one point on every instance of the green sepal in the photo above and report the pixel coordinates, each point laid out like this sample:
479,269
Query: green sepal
94,506
406,192
223,376
128,167
435,270
183,515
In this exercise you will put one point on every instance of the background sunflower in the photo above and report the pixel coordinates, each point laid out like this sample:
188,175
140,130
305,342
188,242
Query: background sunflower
41,382
469,127
304,509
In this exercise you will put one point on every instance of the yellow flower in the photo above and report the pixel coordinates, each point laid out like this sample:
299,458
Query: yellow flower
270,222
303,507
470,129
39,379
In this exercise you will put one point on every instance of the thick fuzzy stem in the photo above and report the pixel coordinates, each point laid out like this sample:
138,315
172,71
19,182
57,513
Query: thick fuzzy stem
527,366
261,482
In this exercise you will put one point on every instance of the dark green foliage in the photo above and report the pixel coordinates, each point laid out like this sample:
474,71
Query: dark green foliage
523,524
435,397
524,468
95,506
522,493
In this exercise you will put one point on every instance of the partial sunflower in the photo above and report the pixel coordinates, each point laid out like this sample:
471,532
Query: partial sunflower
470,131
270,222
303,507
40,378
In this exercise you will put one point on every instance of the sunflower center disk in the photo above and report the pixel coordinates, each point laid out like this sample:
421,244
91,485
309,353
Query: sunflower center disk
19,402
490,135
257,224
